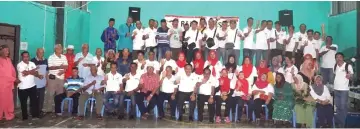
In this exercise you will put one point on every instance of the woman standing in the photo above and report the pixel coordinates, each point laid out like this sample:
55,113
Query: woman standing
284,97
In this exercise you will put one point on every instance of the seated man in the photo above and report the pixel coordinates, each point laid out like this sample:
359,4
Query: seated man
93,87
149,84
113,83
131,82
167,92
73,86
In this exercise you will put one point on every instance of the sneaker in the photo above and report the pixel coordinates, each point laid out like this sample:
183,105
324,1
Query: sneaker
227,120
218,119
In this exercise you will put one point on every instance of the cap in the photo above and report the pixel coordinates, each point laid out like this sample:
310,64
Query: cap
70,47
150,65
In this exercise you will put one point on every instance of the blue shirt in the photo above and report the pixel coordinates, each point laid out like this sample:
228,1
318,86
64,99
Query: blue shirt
108,39
74,84
43,69
123,68
163,39
125,41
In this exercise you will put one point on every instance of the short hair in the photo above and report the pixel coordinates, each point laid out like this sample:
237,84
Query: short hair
194,22
224,22
302,24
339,53
140,52
250,18
75,68
188,65
211,19
206,69
263,21
291,26
133,63
269,21
168,67
310,30
186,24
317,32
277,23
233,21
202,19
330,37
151,20
163,20
111,19
24,52
113,64
4,46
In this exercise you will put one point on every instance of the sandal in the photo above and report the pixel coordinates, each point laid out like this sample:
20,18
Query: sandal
99,117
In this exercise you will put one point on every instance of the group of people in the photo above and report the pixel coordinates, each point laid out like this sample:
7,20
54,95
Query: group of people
204,72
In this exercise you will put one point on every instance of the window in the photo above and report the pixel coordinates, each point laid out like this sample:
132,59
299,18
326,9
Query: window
338,7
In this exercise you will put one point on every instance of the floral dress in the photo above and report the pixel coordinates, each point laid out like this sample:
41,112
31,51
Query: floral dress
284,102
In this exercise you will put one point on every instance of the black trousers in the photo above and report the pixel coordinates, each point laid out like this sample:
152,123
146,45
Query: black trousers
191,54
240,102
181,98
75,103
40,96
325,114
58,99
258,107
31,93
218,103
161,98
200,104
140,102
298,58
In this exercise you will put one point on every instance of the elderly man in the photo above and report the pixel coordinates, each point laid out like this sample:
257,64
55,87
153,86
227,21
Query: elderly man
42,65
84,60
7,79
149,84
125,32
93,88
57,64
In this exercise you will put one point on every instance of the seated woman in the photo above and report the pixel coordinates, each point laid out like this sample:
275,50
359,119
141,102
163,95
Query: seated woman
263,93
263,69
321,94
276,65
290,70
241,94
314,61
181,62
214,63
284,103
224,93
198,64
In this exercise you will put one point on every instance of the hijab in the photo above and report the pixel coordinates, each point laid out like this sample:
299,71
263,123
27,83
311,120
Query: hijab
260,83
225,87
247,69
304,70
262,70
229,65
244,87
282,81
213,62
276,60
318,89
301,84
200,62
181,63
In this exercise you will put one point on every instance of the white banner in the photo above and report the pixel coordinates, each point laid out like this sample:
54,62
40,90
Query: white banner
187,19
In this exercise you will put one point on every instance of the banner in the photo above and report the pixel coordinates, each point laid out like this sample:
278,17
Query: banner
187,19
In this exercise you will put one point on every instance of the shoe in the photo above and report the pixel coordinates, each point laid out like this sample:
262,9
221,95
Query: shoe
218,119
120,117
257,122
131,117
191,118
227,120
180,118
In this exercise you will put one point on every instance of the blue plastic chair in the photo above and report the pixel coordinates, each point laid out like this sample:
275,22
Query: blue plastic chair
103,107
92,100
138,113
70,103
236,111
266,113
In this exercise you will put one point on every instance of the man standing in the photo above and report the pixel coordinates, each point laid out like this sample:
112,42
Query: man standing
83,60
175,35
149,37
57,66
343,73
221,36
234,36
138,41
277,40
70,56
249,39
42,65
184,42
109,36
327,54
163,39
7,79
194,38
262,45
210,33
126,30
302,36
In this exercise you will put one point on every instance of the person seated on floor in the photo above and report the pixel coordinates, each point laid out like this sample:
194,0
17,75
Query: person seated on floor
113,82
131,82
93,89
149,84
73,86
324,108
167,92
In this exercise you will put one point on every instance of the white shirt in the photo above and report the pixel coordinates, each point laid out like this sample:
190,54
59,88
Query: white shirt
341,82
187,83
133,82
281,37
311,48
210,33
192,34
139,64
250,79
168,84
171,63
221,33
261,40
280,70
303,37
249,40
205,89
271,34
151,41
89,79
114,81
26,81
325,96
100,71
288,75
268,89
231,36
57,61
155,63
84,71
328,59
175,37
218,67
138,41
292,43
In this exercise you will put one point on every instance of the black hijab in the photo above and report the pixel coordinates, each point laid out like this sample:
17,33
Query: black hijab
229,65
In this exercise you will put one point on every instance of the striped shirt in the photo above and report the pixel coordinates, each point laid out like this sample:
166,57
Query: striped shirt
73,84
163,39
57,61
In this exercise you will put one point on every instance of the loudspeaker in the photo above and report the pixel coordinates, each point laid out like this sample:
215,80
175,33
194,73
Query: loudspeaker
134,12
286,17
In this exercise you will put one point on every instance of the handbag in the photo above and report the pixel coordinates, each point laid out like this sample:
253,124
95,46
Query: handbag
230,45
193,44
210,41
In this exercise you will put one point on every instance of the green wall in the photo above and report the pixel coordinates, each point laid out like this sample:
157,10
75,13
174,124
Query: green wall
311,13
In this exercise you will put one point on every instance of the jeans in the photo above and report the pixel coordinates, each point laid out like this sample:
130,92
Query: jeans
147,50
161,51
133,103
140,102
24,94
111,106
200,104
222,55
259,54
162,97
249,53
40,97
341,103
328,75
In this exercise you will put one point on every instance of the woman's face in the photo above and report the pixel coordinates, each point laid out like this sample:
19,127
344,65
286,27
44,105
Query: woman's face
318,81
212,55
198,56
231,60
241,76
263,77
262,64
274,61
224,73
247,61
288,61
278,78
181,57
310,65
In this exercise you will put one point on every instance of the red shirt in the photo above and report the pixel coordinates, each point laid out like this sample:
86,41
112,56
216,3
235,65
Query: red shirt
70,58
150,82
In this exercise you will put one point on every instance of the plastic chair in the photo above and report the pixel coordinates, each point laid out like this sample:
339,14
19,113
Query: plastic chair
128,105
236,111
103,107
70,103
266,113
138,113
92,100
